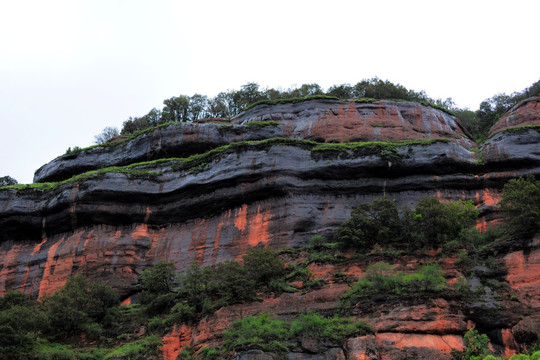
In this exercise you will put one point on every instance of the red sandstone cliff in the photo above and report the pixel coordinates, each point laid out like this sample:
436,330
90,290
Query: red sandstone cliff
113,226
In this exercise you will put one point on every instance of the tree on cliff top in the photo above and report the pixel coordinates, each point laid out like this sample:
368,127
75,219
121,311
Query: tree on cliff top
7,180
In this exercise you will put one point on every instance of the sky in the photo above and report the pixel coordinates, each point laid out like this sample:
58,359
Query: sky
68,69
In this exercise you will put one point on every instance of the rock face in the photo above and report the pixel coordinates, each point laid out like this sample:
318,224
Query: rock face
272,192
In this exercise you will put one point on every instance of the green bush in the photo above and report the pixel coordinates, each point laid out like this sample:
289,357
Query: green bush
53,351
521,204
476,344
431,224
382,279
336,330
263,265
143,349
259,332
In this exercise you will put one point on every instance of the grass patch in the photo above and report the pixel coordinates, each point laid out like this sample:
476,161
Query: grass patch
376,145
515,129
146,348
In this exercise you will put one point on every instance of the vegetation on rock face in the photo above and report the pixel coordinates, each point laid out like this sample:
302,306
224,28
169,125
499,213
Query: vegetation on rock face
431,224
262,332
184,108
521,204
382,280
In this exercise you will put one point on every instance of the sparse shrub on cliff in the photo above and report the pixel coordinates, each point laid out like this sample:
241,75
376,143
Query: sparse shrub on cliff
262,332
382,279
143,349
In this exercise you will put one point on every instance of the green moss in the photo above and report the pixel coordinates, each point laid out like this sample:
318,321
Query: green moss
198,161
146,348
376,125
262,123
515,129
83,177
379,145
365,100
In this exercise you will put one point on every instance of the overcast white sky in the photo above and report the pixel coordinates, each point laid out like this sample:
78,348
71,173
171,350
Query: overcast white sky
70,68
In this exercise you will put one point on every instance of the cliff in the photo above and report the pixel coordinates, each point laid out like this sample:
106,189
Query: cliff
273,176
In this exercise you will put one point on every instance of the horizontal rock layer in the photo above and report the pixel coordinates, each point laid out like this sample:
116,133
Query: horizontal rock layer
325,121
112,226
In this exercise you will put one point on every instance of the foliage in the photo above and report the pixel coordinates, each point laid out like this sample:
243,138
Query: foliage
266,334
77,305
20,325
263,265
259,332
432,224
157,281
437,223
107,134
475,344
370,224
53,351
7,181
143,349
336,330
491,110
381,279
521,204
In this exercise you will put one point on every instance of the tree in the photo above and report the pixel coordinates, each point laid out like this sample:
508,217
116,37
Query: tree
107,134
440,223
232,283
7,181
77,304
197,107
157,281
176,109
521,205
134,124
343,91
370,224
263,265
476,345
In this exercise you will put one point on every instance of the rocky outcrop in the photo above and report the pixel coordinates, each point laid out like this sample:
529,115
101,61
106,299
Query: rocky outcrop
265,190
525,113
320,120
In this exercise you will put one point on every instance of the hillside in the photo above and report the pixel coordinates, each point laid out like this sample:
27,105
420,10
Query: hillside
274,176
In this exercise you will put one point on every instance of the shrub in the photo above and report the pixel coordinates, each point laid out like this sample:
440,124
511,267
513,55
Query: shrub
370,224
258,332
432,224
336,329
263,265
521,204
475,344
143,349
382,279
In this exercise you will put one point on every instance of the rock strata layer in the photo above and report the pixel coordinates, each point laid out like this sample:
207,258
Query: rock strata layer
268,191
